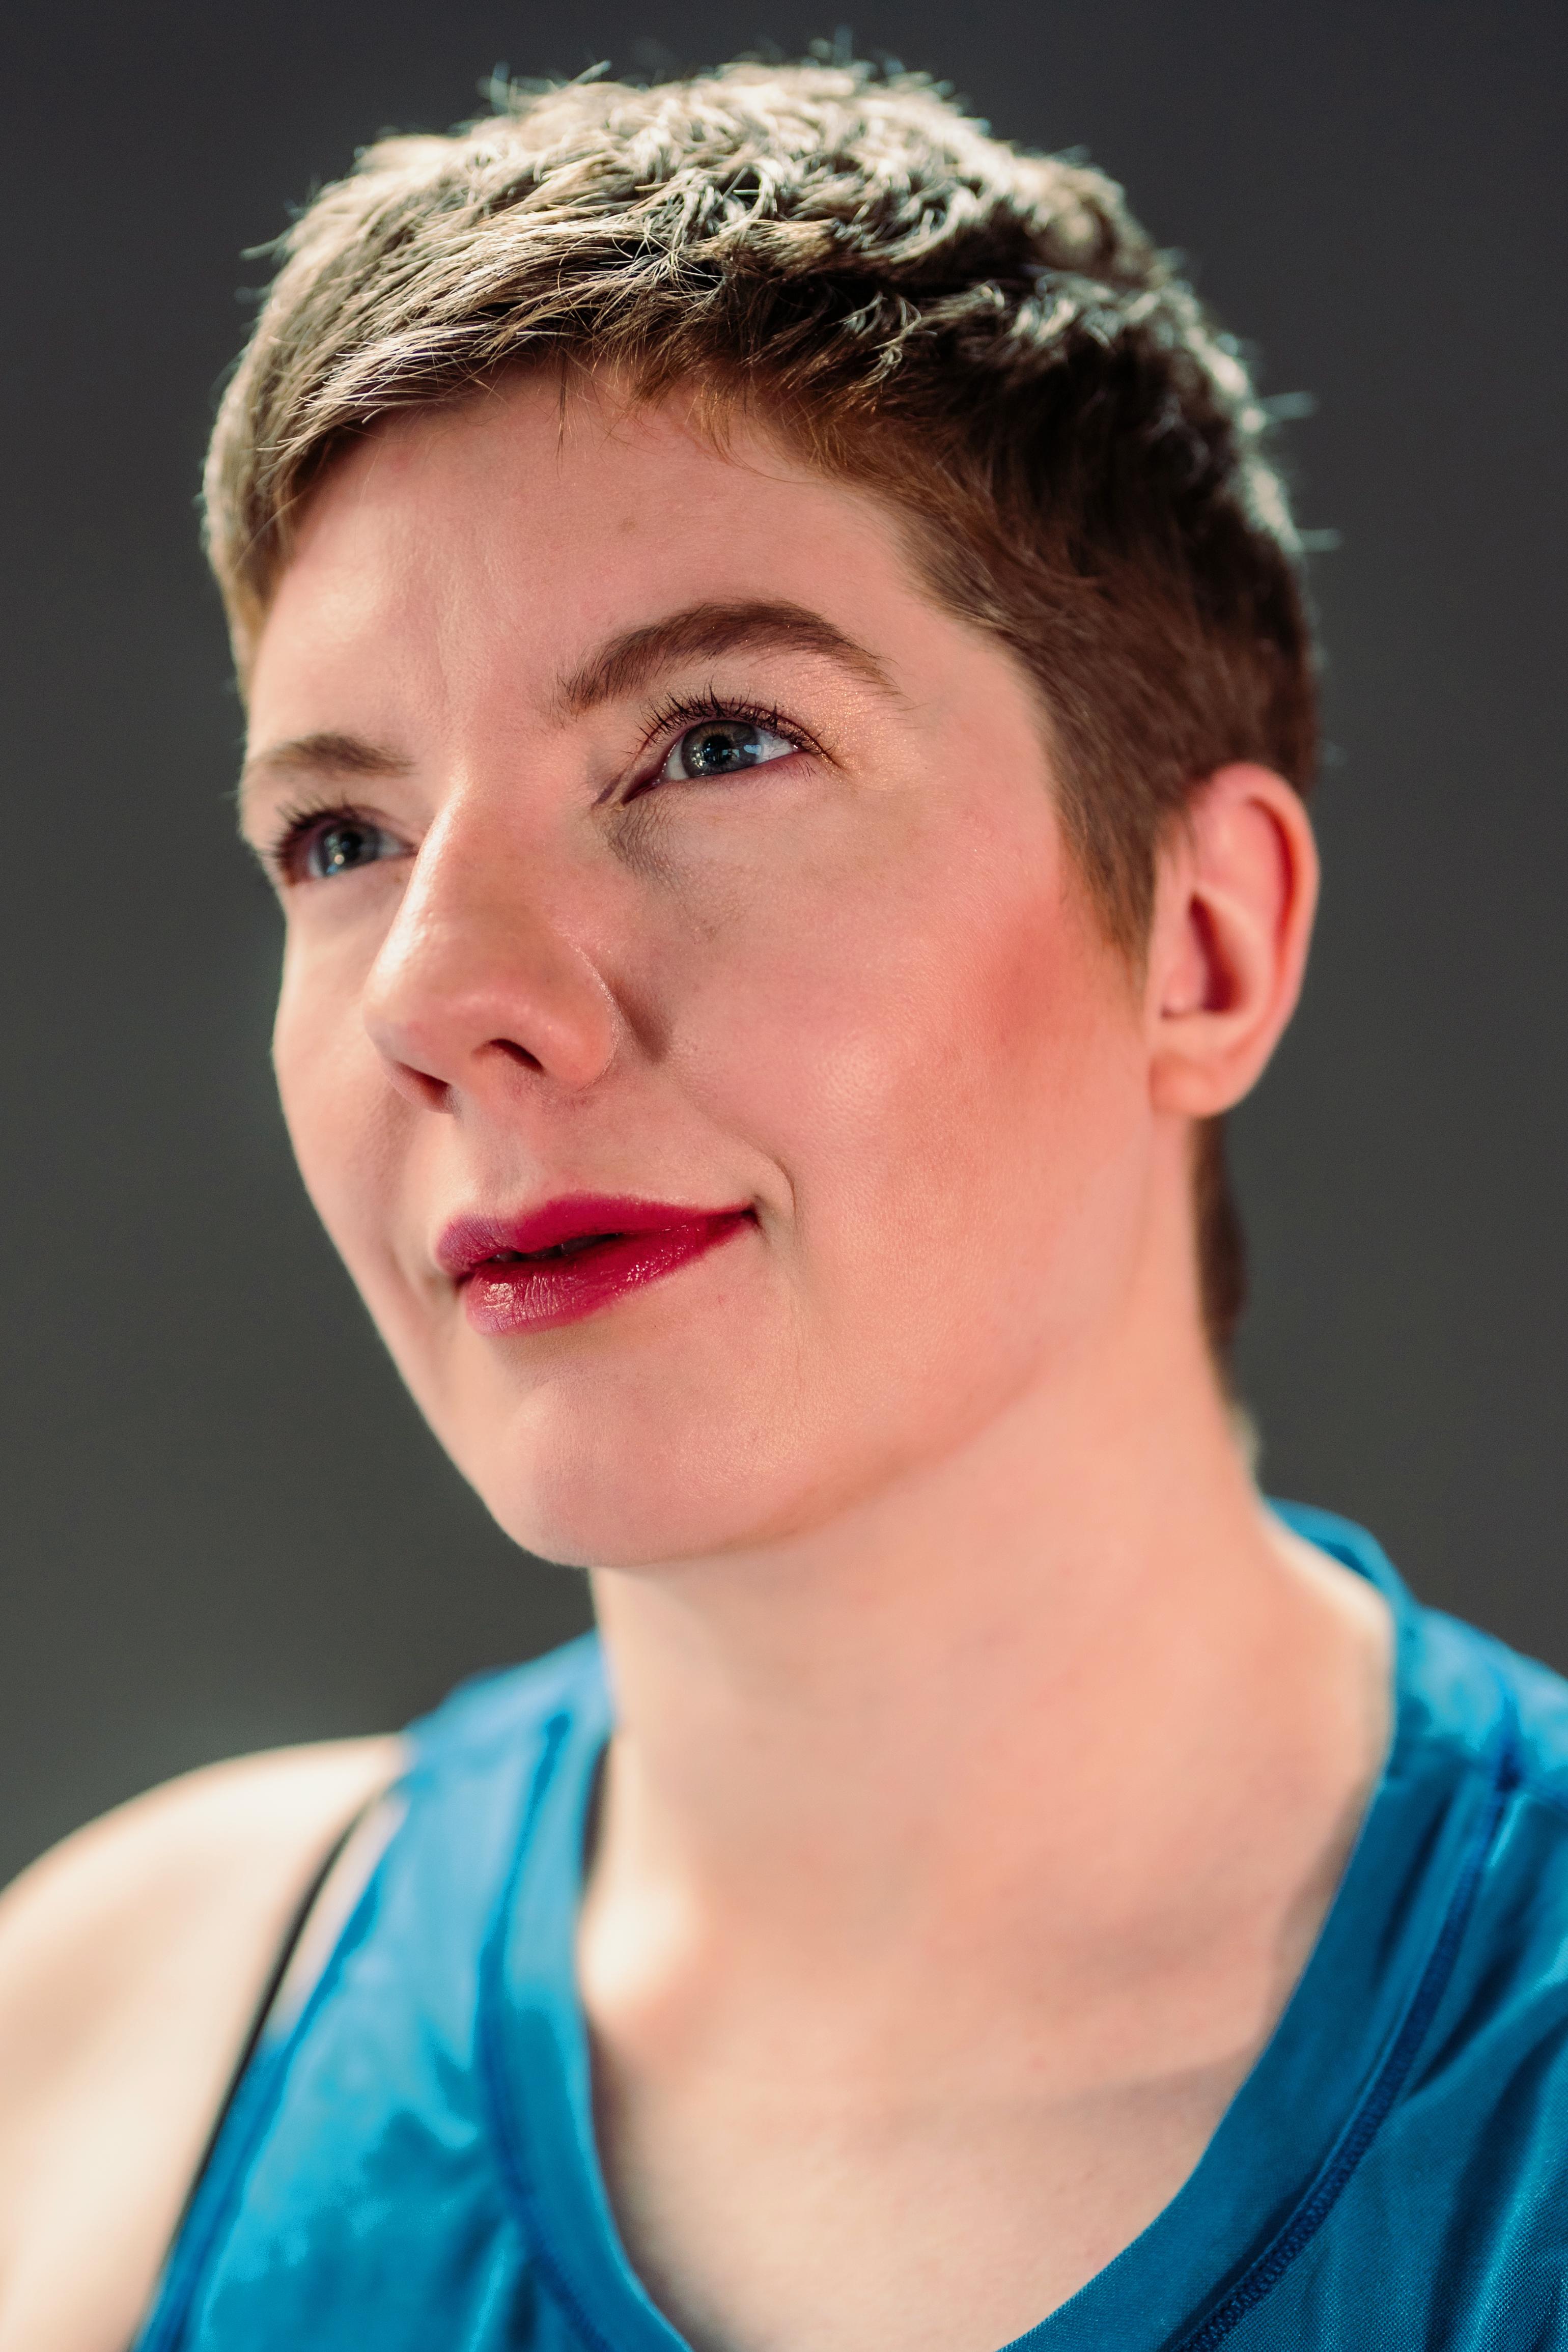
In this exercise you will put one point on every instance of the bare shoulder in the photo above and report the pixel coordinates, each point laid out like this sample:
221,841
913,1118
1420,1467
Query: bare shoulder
77,1927
132,1960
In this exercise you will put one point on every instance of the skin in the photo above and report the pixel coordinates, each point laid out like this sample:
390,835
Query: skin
921,1487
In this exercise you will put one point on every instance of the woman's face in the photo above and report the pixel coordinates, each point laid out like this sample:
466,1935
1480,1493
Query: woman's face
660,863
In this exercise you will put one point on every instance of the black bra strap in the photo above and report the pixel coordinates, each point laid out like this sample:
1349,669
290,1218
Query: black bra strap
299,1921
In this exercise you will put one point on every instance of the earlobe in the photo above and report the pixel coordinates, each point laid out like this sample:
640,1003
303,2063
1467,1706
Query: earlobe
1237,891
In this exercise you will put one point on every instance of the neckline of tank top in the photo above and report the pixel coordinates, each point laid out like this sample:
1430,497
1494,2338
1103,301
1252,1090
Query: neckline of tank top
1285,2147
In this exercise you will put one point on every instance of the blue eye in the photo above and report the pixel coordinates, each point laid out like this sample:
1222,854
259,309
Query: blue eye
722,747
341,846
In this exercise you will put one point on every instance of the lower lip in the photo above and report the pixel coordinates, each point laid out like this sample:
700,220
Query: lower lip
541,1294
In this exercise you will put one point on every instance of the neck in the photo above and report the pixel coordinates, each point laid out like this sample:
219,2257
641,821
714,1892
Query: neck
1086,1598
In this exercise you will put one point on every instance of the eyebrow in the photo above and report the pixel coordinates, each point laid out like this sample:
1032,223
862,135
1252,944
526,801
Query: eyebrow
324,754
628,662
619,667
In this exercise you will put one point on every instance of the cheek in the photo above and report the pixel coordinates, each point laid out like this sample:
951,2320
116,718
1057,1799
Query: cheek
953,1091
346,1124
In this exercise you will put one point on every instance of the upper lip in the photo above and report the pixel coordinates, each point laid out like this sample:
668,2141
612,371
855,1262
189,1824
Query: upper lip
468,1241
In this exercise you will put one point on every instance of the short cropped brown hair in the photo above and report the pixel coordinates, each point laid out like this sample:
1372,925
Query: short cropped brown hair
986,339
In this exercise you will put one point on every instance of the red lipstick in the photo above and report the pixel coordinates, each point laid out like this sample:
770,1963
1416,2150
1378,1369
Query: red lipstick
573,1257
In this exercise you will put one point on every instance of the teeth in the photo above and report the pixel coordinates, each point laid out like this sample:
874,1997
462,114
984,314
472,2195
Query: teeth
572,1248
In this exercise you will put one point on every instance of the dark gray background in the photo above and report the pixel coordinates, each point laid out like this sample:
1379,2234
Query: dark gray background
222,1523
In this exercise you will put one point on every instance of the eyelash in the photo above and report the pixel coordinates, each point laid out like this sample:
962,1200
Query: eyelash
670,720
667,724
296,823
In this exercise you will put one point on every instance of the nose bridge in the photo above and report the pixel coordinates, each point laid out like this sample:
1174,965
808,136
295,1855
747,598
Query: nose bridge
479,972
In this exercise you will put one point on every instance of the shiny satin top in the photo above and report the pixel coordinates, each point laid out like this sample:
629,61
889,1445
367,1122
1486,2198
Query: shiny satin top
408,2160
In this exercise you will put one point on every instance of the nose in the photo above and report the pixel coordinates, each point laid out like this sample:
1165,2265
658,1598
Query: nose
474,982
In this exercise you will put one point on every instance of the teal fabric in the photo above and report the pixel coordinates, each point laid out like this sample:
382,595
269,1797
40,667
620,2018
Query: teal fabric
412,2164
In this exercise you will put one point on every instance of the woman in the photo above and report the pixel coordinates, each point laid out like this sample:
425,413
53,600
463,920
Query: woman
779,708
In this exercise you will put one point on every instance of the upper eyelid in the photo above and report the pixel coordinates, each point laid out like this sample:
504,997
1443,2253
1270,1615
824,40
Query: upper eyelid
271,839
672,719
293,825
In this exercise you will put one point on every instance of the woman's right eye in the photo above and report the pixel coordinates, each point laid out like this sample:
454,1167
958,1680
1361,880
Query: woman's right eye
337,844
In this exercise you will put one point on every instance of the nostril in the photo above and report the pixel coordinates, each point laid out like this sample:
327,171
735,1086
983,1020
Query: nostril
427,1092
519,1054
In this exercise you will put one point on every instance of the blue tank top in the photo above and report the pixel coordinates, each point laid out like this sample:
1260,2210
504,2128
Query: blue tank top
410,2163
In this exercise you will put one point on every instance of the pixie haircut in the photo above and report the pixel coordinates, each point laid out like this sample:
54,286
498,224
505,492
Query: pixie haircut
984,338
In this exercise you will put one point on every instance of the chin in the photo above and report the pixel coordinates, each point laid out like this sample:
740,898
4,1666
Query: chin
652,1484
596,1473
584,1505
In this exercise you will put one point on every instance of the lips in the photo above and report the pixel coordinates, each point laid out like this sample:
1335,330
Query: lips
573,1257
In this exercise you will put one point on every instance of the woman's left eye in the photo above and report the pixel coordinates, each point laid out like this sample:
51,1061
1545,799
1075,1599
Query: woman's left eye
722,747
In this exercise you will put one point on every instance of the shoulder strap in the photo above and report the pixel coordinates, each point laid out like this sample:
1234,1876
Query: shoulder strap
283,1960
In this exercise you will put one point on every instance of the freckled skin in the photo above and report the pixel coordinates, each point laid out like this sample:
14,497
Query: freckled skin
859,990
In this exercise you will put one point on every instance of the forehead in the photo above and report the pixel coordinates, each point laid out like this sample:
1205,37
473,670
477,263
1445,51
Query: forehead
481,549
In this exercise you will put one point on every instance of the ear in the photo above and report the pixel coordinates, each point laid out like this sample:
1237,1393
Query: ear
1237,889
